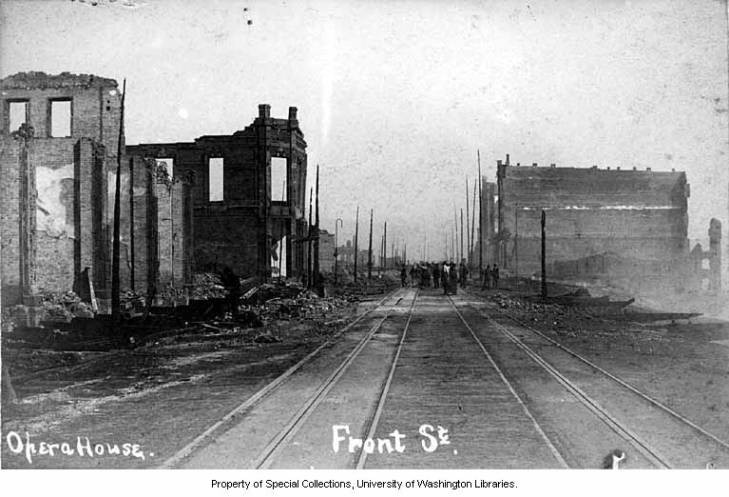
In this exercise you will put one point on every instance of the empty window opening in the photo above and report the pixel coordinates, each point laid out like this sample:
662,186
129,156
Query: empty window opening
278,259
17,115
279,184
165,166
60,118
215,179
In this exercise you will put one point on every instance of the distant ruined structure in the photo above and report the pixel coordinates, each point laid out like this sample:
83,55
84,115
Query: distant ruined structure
628,227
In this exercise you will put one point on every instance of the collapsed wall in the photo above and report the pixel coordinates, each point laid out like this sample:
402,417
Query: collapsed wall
639,217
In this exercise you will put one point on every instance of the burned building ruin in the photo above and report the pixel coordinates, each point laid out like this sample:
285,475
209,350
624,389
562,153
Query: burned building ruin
232,201
58,144
624,226
248,193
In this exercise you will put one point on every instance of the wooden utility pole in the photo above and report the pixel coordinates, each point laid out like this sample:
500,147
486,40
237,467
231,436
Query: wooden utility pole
453,244
480,217
516,243
461,259
544,255
116,245
385,246
369,250
379,264
132,257
308,242
468,222
455,234
356,243
473,221
316,235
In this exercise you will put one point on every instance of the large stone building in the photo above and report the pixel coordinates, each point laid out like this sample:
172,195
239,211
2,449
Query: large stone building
594,218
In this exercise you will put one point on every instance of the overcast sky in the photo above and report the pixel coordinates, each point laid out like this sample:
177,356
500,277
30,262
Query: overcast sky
395,98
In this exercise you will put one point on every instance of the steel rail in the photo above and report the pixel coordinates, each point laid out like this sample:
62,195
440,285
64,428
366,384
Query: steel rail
643,447
265,459
521,402
198,441
626,385
362,459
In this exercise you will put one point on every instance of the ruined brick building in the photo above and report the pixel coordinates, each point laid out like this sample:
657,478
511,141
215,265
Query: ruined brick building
248,193
58,139
235,200
625,225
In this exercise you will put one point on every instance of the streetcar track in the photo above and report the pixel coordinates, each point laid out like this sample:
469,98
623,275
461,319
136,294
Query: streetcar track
626,385
648,452
643,447
251,401
555,452
362,459
266,457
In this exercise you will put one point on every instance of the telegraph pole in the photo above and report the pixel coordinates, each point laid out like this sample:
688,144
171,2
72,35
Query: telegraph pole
461,259
356,243
316,235
480,217
308,242
544,255
516,243
336,247
369,250
116,245
473,222
384,247
468,222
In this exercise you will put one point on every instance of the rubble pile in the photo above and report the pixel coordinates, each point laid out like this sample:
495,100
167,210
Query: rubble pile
305,306
563,320
571,323
62,308
207,286
279,289
286,300
132,301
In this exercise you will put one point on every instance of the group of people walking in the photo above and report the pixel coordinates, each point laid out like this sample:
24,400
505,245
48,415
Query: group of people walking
490,277
446,275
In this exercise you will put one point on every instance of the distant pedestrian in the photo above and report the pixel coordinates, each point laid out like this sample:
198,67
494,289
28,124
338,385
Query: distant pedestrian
403,276
436,275
425,275
445,277
463,273
486,278
453,278
231,282
495,275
